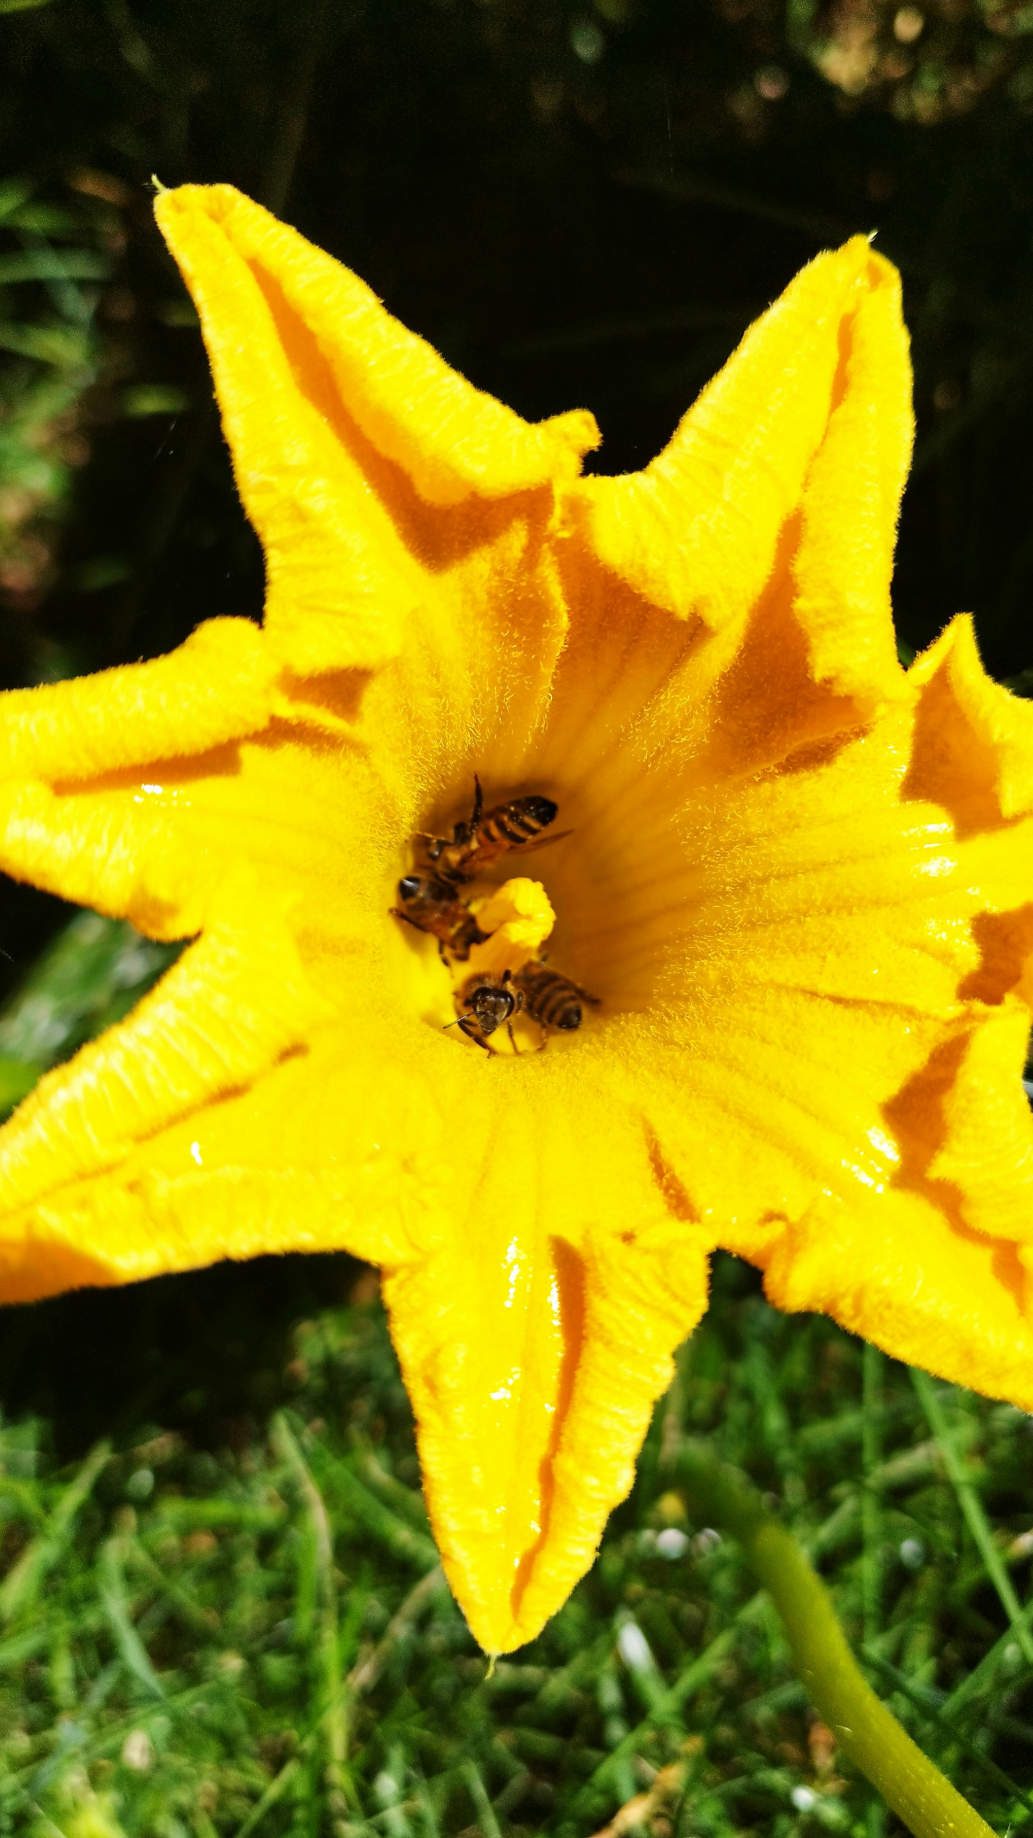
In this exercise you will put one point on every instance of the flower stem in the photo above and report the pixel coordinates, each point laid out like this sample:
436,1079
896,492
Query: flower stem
916,1790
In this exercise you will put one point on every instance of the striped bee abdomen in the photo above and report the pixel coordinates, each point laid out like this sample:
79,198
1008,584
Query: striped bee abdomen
514,824
551,999
483,838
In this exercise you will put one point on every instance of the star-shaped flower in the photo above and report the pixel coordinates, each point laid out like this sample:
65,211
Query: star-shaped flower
796,877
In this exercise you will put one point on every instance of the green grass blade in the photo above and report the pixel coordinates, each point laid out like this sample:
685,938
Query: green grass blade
972,1511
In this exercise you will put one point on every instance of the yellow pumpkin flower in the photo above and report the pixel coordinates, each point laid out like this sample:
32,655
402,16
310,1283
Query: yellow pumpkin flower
796,877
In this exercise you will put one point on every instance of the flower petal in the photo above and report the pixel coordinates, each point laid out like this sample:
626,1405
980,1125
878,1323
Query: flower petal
234,1003
851,501
644,1292
810,419
891,1267
536,1340
154,840
315,1152
344,429
218,686
967,1123
974,739
95,772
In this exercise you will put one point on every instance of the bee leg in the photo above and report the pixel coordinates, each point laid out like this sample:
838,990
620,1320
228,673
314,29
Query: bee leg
397,913
467,1024
478,805
512,1038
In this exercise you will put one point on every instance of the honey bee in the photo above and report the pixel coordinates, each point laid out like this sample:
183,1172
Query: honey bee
486,1004
433,906
480,839
551,999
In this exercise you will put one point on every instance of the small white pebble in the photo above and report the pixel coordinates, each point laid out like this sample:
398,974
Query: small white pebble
706,1541
633,1648
804,1798
138,1751
385,1788
672,1542
912,1553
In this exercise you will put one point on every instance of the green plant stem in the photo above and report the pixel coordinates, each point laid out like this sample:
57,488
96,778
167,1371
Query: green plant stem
866,1731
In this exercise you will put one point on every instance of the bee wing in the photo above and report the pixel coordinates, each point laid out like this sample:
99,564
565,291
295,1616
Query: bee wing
542,842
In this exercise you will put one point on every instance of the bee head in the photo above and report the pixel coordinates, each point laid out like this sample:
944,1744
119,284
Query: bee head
409,887
491,1006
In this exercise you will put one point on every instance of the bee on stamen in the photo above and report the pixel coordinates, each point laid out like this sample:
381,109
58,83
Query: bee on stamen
551,999
432,905
482,838
487,1004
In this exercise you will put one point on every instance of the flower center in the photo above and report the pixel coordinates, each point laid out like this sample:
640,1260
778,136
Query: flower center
507,998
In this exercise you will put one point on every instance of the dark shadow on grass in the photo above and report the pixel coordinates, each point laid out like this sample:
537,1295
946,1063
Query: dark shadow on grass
207,1353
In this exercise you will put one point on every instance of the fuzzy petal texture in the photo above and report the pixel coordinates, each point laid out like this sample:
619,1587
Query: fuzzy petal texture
791,881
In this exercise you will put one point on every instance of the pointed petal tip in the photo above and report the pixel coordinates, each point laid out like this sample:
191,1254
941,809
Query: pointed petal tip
858,258
319,386
578,431
501,1636
177,201
974,739
809,419
521,1476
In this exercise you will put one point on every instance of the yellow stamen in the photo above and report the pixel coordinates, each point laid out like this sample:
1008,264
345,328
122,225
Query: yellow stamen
518,917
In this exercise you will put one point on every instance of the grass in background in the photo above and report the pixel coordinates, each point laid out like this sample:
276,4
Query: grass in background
221,1611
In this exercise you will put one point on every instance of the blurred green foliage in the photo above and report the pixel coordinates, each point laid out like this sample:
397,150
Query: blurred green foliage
219,1611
